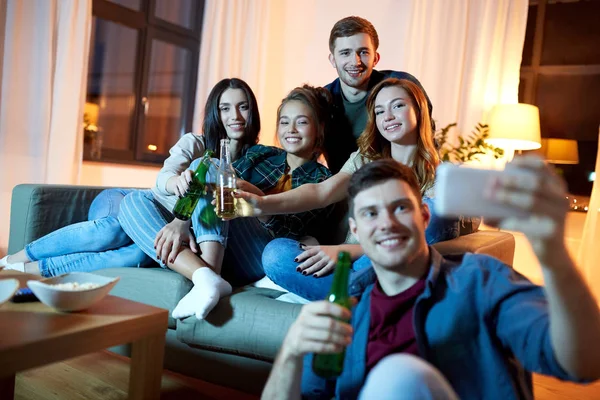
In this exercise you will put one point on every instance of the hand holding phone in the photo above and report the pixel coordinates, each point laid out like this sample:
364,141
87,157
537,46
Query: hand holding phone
460,191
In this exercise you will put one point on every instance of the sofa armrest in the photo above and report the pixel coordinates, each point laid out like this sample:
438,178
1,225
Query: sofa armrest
494,243
38,209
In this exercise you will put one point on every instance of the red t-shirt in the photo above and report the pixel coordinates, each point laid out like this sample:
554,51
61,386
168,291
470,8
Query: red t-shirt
391,327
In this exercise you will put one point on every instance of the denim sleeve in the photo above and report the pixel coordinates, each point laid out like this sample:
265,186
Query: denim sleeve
518,310
314,387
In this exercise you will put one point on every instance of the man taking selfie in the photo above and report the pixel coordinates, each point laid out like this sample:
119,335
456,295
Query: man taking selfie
429,327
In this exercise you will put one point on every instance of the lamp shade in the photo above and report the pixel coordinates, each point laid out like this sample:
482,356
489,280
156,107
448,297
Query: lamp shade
91,109
560,151
515,126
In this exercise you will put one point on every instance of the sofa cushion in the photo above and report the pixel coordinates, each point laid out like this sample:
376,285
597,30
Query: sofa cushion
249,323
497,244
154,286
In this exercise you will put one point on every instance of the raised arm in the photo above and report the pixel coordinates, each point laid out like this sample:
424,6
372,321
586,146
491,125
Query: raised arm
303,198
574,314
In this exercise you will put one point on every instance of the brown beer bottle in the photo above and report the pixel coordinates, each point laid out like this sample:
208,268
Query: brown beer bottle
331,365
226,183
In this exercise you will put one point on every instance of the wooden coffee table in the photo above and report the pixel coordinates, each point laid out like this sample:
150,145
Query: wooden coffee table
33,334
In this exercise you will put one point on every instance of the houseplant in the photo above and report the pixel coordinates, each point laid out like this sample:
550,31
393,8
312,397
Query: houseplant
469,148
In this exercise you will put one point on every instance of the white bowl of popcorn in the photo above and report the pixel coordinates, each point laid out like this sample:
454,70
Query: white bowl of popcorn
8,287
74,291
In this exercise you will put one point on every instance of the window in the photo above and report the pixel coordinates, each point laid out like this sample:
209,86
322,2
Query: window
142,77
560,73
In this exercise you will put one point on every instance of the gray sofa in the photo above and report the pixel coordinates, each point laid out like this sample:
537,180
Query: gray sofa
235,346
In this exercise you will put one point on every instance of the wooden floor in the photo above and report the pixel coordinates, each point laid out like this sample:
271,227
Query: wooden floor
104,376
546,388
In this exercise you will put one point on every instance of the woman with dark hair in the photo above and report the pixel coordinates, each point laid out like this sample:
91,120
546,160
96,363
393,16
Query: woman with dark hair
213,122
101,241
398,127
231,112
302,120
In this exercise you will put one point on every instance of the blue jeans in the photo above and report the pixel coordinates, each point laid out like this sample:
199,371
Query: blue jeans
404,376
86,246
244,239
279,265
440,229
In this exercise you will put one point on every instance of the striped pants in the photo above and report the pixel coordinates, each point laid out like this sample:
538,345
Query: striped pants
142,217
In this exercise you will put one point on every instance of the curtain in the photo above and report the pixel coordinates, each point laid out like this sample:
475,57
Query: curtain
234,44
467,54
45,47
589,257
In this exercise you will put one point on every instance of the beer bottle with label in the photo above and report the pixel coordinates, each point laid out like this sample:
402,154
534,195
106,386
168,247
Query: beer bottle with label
185,206
331,365
226,184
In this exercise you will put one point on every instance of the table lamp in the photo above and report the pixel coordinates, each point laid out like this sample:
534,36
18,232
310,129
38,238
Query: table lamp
560,151
514,127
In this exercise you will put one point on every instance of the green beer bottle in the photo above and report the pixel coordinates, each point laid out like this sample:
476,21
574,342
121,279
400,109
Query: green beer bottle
185,206
331,365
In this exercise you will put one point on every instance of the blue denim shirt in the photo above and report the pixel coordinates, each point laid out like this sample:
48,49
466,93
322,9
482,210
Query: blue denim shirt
482,324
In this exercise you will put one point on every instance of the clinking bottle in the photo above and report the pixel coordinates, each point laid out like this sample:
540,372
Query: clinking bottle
331,365
226,184
185,206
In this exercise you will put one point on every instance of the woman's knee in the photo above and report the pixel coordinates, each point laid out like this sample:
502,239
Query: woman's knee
130,204
440,229
279,252
106,204
405,373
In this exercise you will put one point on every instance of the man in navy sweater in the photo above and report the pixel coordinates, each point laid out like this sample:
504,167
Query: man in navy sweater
353,44
429,327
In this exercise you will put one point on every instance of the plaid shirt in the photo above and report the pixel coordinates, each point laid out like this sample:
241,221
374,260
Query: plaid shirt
263,166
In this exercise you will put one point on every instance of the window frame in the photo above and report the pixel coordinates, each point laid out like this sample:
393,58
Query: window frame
151,28
530,77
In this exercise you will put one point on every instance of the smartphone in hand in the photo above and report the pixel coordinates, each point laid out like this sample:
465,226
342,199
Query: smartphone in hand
459,191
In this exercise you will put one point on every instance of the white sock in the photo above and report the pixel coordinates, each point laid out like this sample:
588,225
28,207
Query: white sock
204,296
19,266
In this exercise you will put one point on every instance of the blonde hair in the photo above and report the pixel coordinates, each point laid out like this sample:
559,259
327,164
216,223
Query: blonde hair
374,146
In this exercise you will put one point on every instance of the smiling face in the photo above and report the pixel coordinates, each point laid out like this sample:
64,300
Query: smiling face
354,58
389,222
396,115
234,111
296,129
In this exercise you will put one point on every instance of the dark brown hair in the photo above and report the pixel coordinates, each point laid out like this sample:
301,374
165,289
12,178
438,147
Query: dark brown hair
374,146
319,101
377,172
213,127
351,26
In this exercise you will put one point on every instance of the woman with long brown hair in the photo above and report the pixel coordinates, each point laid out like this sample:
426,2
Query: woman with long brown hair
398,127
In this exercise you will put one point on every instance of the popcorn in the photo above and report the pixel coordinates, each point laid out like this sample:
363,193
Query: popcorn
75,286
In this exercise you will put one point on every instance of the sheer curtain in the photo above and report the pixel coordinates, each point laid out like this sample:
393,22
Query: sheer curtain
235,39
44,47
467,54
589,256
